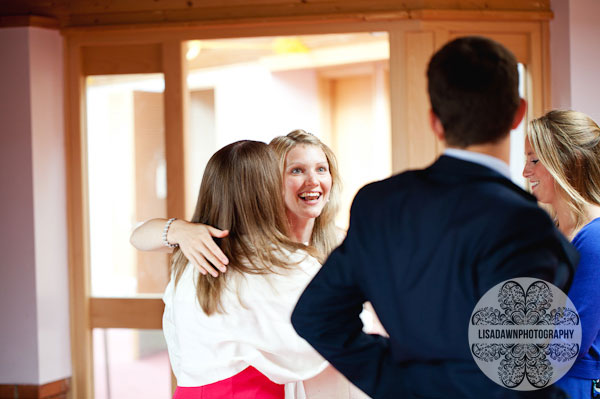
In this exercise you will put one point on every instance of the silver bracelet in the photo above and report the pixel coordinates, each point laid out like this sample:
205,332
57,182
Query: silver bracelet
164,234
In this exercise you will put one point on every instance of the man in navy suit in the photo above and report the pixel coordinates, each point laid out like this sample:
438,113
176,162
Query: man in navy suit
425,245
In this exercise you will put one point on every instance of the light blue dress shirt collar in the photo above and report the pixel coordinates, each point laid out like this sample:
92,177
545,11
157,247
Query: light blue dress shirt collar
482,159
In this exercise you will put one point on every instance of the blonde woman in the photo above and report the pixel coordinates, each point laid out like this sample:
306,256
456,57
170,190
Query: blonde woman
311,190
563,170
231,336
311,194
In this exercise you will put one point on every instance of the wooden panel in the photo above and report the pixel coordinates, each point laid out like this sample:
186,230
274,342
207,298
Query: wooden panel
422,145
138,313
78,225
106,6
352,117
176,100
52,390
529,41
513,35
249,11
518,43
535,73
546,66
481,15
187,22
398,100
128,12
152,269
110,60
29,20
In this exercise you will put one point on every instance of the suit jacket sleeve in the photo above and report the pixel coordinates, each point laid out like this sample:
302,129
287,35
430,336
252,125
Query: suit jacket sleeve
327,316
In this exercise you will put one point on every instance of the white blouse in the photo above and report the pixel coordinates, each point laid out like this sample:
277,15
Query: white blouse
255,330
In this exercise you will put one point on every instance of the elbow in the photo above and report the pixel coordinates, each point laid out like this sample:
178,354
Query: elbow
132,239
300,320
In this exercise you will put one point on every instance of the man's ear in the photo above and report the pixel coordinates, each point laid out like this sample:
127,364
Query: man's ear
520,114
436,126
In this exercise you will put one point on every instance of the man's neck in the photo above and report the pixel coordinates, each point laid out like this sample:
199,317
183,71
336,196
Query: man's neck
500,149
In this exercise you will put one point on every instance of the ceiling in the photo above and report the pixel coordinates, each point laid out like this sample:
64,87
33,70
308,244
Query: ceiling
84,13
231,51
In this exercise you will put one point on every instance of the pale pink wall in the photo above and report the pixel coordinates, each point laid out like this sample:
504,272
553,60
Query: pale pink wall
49,196
575,55
18,330
584,18
560,59
34,307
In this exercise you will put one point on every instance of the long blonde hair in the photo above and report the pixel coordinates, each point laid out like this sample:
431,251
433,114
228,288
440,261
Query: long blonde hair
241,192
568,145
324,236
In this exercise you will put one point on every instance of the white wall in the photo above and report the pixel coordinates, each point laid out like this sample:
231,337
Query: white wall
34,308
251,102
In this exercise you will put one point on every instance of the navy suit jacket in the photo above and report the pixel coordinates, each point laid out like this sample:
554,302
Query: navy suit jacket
423,247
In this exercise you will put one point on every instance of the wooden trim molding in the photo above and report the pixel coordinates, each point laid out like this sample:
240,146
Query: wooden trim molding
53,390
78,224
481,15
28,20
111,60
125,14
138,313
176,97
326,18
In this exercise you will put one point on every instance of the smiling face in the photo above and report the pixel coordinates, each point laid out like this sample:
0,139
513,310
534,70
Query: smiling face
306,181
540,180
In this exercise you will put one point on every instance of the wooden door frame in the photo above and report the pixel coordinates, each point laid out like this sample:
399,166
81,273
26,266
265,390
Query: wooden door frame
154,48
88,312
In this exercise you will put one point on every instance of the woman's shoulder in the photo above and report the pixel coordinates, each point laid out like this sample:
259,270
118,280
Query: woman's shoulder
340,234
302,260
588,236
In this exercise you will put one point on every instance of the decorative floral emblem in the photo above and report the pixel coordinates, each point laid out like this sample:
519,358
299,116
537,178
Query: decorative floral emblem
522,336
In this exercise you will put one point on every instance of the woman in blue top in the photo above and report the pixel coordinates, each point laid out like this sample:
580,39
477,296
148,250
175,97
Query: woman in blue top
563,170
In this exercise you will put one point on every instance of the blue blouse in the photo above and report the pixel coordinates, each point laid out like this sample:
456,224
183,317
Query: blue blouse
585,294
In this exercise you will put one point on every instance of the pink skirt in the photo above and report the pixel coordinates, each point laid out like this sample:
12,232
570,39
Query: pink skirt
247,384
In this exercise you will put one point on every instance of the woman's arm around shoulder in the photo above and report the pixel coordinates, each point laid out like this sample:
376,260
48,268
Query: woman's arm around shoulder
194,239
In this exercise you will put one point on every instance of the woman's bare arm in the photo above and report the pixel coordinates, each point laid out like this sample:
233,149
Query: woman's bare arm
194,239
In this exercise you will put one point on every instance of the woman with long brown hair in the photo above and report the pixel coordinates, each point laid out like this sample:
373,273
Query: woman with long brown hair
231,336
312,188
311,192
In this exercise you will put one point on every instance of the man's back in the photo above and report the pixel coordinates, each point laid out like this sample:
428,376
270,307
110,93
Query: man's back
423,247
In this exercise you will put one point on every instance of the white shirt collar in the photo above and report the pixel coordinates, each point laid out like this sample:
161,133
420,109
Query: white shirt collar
489,161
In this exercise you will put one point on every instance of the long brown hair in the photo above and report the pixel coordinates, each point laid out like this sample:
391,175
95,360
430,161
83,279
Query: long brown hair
568,145
324,237
241,192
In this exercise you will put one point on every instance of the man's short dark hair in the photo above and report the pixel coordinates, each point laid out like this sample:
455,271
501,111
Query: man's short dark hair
473,85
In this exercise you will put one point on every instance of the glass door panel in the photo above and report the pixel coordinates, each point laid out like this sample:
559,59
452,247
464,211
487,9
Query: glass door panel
126,185
127,181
